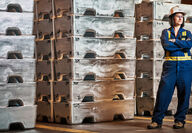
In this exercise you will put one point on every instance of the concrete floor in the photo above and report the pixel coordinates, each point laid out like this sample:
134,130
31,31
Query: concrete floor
137,125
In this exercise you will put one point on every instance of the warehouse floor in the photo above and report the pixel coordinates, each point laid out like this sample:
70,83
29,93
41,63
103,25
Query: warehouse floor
137,125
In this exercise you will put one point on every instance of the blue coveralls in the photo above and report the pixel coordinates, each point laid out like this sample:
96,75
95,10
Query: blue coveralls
177,71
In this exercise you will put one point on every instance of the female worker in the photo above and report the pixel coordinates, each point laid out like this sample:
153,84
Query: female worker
177,71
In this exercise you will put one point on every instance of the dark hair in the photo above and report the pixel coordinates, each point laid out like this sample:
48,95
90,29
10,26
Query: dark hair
172,23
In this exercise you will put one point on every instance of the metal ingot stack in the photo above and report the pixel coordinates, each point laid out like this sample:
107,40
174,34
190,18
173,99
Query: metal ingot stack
44,53
152,18
167,1
93,54
17,66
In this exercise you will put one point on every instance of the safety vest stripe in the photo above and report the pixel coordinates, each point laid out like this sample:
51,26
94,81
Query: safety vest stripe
177,59
184,33
169,37
169,34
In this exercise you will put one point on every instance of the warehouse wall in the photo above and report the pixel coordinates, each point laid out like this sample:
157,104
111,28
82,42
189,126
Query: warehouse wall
186,2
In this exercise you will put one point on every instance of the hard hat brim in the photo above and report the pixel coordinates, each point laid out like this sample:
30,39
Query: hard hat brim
178,12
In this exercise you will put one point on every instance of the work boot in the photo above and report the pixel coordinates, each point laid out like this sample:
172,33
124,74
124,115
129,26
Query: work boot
154,125
178,125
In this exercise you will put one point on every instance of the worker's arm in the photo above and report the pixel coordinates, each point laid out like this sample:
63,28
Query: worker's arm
168,45
186,44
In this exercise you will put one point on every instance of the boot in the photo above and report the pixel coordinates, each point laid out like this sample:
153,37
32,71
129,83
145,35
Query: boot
154,125
178,125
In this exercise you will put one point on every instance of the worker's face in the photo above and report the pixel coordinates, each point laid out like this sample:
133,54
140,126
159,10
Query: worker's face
178,19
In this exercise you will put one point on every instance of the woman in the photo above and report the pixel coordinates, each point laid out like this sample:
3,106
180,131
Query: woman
177,71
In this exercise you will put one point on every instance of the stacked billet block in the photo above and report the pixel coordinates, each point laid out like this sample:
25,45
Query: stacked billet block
97,83
17,65
152,19
90,57
167,1
44,54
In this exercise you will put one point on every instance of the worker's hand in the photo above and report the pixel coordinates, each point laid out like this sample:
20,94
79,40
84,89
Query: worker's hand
172,40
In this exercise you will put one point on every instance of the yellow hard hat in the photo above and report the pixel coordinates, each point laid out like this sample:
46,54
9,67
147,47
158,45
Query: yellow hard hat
176,9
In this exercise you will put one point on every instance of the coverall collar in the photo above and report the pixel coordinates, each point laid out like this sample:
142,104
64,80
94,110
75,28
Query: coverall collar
179,32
